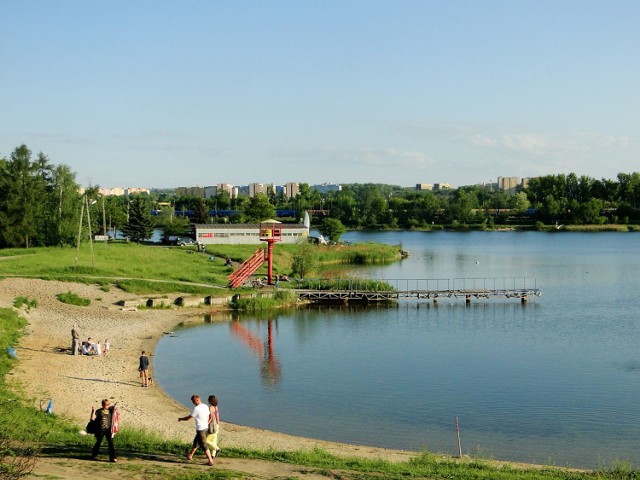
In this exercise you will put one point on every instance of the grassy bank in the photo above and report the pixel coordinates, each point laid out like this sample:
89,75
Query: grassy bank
155,269
28,434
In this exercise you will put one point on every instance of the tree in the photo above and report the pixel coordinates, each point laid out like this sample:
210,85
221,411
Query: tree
115,211
305,259
258,208
200,212
461,206
519,202
23,191
140,226
332,228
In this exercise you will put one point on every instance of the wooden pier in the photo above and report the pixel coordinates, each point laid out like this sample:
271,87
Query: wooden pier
467,289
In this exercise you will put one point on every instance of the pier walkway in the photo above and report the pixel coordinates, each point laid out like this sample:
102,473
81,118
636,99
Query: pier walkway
345,291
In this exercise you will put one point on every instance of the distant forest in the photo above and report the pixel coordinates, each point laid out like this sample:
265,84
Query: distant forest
41,205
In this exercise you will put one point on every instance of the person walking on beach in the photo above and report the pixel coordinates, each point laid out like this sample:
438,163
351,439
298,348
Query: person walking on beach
201,415
105,422
214,426
144,369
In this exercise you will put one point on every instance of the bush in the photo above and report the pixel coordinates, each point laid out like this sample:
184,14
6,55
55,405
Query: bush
19,302
73,299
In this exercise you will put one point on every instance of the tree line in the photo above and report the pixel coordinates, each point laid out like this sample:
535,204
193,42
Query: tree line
41,205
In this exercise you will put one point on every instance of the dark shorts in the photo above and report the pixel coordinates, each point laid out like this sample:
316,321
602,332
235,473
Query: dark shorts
200,439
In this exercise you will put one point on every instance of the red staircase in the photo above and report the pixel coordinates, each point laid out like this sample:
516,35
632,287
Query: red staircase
248,267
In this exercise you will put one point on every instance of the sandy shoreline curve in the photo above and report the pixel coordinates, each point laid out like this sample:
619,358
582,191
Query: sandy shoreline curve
46,370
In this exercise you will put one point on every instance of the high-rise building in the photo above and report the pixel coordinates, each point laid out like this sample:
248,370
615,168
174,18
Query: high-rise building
508,184
291,189
255,188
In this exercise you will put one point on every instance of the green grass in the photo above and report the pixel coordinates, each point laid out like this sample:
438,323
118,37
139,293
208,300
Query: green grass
359,284
280,298
359,254
144,269
28,303
73,299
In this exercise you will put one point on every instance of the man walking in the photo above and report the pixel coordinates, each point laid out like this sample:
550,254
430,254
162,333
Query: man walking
202,416
144,369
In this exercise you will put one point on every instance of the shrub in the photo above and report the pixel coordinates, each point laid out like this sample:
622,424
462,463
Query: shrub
19,302
73,299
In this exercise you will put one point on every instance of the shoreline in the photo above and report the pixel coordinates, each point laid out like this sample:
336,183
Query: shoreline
46,370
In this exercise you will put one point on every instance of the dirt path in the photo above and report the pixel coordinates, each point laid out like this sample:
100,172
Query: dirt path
159,467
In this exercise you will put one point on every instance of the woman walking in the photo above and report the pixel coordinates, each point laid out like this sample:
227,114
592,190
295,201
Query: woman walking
105,418
214,426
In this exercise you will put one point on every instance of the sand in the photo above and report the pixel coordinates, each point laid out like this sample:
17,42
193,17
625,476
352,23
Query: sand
47,370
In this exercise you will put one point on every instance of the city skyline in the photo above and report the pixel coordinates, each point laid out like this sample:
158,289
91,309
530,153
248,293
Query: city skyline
164,94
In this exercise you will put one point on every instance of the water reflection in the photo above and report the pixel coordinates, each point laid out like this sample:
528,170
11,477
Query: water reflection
270,367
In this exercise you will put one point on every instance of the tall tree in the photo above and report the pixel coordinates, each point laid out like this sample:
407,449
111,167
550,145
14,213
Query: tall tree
23,190
140,225
200,211
62,207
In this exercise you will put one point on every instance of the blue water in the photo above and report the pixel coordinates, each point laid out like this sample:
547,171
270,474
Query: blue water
554,381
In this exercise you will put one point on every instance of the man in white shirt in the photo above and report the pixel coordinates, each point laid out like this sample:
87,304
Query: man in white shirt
201,414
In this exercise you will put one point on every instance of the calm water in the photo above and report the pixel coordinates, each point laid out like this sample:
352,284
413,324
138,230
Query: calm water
554,381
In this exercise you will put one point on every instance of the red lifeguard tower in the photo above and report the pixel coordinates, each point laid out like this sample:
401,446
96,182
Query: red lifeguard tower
270,232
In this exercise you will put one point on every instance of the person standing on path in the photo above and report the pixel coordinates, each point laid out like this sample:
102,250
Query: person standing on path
144,369
75,338
202,417
104,418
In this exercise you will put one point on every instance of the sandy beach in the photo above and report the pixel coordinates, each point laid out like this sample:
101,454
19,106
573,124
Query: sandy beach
47,370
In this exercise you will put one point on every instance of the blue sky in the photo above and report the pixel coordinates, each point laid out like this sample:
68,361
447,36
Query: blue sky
178,93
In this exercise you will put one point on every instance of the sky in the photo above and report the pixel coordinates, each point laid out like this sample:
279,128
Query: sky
162,94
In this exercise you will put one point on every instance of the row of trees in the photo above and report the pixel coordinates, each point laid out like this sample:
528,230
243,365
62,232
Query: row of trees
41,204
567,199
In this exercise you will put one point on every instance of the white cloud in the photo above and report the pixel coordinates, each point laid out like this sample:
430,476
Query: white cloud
385,157
549,145
389,157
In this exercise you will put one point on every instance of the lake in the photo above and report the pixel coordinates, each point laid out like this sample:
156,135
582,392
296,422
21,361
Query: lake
553,381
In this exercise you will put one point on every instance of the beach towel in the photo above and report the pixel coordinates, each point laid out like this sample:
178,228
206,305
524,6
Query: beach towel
115,421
